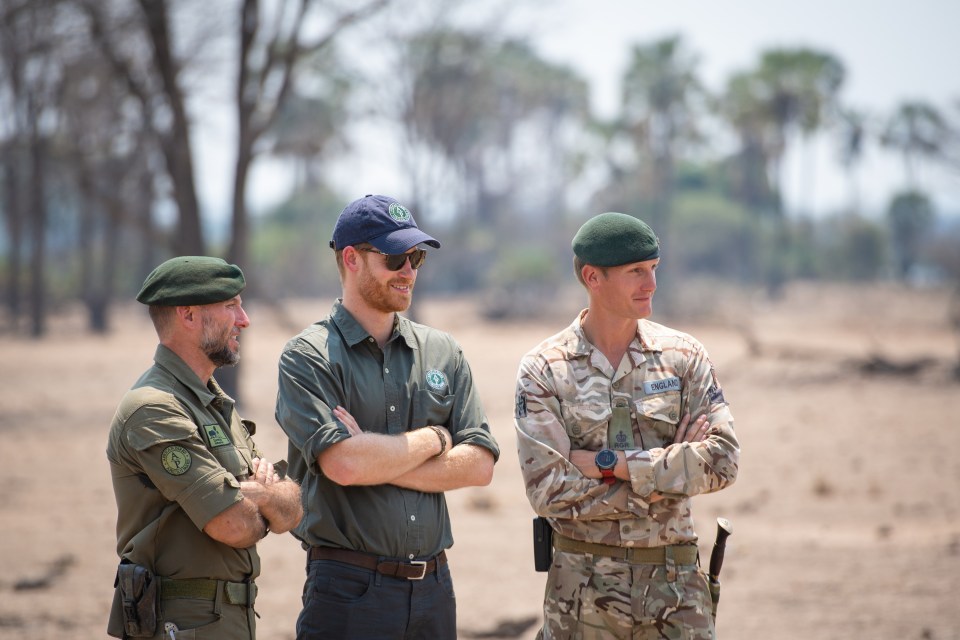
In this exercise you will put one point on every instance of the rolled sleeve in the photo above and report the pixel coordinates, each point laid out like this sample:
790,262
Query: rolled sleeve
158,436
304,412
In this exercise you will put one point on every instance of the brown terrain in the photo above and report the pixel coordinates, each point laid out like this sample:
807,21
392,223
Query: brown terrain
846,513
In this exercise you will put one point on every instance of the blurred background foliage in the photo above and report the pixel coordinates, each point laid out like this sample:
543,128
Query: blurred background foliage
502,156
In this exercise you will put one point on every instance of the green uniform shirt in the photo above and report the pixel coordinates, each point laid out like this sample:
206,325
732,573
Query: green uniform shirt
177,450
420,378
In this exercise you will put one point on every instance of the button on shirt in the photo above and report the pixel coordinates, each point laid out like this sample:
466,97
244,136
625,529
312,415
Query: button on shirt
419,378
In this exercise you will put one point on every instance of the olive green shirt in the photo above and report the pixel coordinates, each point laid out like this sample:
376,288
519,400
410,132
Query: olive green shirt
177,451
420,378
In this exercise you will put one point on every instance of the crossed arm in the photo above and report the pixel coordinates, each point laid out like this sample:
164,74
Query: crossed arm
269,503
424,459
584,460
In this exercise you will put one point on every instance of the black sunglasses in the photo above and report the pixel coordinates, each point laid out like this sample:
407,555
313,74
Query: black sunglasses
395,261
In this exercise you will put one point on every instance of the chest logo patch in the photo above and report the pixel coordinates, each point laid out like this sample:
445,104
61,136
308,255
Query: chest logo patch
176,460
661,386
216,435
436,380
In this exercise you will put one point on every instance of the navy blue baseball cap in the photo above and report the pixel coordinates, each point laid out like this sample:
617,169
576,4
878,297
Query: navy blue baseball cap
381,221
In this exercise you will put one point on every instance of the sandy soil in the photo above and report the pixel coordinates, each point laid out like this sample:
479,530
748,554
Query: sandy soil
846,514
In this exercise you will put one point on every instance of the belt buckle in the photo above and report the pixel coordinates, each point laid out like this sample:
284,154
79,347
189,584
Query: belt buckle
423,569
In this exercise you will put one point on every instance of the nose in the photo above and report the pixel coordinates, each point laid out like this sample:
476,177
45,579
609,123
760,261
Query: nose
407,269
243,320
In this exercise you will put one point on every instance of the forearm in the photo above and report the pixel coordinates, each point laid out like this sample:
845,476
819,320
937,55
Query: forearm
465,465
240,526
279,503
556,488
374,458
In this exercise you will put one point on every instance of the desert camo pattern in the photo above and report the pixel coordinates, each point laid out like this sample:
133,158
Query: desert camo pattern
565,393
596,598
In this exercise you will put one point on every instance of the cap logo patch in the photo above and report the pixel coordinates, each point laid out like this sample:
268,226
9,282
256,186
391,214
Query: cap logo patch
176,460
398,212
436,380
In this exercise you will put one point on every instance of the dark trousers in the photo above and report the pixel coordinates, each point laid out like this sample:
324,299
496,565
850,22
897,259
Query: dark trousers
344,601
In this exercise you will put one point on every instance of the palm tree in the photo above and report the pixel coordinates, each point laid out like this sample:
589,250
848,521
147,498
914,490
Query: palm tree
662,101
799,88
916,129
852,131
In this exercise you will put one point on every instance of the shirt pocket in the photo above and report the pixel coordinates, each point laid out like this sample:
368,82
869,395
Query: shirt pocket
431,408
586,424
660,415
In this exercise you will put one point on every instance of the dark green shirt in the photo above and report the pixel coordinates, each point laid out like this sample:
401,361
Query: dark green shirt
177,451
420,378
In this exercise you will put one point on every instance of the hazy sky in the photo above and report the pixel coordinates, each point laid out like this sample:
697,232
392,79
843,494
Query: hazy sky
893,50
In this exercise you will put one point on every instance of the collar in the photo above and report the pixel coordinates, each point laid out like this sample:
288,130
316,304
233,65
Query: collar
644,340
206,393
354,333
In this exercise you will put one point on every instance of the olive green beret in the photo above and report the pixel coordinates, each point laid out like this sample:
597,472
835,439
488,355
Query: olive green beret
612,239
189,280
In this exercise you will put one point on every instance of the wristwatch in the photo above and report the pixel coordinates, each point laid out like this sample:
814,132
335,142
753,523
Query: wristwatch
606,460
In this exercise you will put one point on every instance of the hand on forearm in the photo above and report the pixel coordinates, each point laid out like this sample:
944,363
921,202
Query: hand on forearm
278,503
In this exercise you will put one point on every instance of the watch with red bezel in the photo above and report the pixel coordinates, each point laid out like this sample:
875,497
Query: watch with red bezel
606,460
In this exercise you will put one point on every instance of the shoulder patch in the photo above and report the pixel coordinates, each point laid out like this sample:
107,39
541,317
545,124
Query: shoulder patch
521,404
176,460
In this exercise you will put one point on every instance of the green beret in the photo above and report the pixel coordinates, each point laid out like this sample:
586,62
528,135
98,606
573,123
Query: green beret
612,239
189,280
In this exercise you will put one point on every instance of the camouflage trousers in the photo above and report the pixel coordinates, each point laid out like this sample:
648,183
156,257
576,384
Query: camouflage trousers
593,597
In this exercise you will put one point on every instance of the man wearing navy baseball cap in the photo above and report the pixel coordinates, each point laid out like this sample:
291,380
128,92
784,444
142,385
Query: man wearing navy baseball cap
382,417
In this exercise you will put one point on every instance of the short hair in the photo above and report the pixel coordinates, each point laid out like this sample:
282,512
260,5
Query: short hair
579,264
339,255
161,316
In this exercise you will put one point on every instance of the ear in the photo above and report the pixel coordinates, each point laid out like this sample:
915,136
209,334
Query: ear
591,276
351,259
189,316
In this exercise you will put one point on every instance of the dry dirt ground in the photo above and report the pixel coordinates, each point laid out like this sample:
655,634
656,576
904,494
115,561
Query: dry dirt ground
846,513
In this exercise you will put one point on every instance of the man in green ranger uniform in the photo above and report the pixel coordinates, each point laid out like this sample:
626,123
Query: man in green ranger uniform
620,421
383,417
193,493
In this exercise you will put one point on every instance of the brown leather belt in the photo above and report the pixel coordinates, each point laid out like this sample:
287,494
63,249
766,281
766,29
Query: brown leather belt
414,570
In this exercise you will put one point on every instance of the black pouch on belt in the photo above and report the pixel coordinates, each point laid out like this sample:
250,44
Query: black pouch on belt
138,596
542,544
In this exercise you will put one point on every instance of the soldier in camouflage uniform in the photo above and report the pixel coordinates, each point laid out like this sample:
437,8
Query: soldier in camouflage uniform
620,421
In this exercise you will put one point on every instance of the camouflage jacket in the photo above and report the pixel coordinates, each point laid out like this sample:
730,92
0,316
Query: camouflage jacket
565,392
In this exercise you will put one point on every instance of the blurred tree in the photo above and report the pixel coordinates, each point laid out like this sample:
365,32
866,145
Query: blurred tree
852,133
916,129
856,248
495,118
911,216
663,105
29,37
270,49
153,78
792,91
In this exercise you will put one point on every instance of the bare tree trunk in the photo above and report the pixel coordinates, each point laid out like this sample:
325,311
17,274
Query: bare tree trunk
14,211
176,143
38,210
